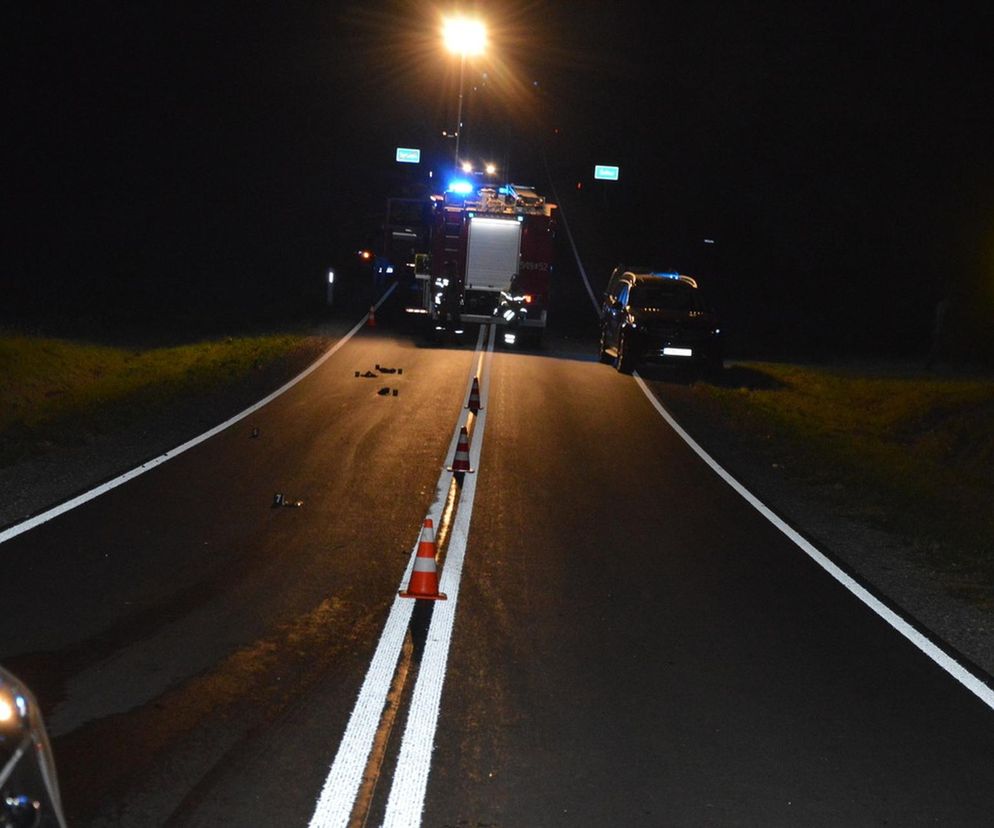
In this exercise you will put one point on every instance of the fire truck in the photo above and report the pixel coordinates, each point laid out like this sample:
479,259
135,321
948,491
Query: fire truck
488,257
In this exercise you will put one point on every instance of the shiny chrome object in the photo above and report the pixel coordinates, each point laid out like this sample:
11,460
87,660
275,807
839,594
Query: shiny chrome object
29,789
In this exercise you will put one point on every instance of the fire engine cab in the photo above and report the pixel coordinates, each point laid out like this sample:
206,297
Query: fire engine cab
489,258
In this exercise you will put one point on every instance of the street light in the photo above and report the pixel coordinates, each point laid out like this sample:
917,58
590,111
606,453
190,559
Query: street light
464,37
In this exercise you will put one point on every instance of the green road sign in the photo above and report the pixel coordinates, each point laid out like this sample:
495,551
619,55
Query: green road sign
408,156
605,172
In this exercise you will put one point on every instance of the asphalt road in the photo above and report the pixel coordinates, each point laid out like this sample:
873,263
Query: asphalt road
632,643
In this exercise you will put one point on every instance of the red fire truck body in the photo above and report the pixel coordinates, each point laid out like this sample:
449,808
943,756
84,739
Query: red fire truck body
490,259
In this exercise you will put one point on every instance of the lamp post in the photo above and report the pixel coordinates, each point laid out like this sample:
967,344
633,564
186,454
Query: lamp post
464,37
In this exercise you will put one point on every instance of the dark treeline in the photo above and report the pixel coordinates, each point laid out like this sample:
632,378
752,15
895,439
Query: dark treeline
205,167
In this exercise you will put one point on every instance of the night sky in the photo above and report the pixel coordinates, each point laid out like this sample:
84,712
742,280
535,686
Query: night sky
222,155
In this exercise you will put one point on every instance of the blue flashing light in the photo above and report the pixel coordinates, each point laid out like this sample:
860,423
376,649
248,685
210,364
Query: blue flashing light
460,187
667,275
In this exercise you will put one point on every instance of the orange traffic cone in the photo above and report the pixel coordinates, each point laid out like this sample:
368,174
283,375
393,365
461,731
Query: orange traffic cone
424,577
460,462
371,321
474,397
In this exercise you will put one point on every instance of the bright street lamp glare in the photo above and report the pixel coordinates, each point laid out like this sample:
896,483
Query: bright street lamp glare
491,169
464,36
467,167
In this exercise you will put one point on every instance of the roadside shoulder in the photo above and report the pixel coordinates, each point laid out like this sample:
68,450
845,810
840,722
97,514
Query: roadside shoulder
37,483
883,559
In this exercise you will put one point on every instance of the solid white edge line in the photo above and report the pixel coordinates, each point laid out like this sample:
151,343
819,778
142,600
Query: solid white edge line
410,779
341,787
959,672
43,517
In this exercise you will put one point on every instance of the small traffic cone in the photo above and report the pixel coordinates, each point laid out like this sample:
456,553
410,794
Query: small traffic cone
460,462
371,321
474,397
424,576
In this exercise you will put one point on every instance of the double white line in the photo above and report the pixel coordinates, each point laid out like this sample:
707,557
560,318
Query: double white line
410,779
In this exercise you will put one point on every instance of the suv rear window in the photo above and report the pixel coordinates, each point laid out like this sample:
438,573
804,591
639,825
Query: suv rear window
666,295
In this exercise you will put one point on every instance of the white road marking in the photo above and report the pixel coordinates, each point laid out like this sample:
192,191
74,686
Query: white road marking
43,517
334,806
342,785
958,671
899,623
410,778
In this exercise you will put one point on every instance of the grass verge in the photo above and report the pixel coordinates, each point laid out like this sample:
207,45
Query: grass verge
56,392
908,451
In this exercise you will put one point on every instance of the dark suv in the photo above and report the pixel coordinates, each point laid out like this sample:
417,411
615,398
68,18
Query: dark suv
657,317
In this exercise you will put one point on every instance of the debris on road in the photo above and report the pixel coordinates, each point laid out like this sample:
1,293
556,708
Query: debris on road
382,370
280,500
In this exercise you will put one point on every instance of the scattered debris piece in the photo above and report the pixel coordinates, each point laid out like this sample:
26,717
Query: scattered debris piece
357,373
277,499
395,392
293,504
255,431
368,375
383,391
